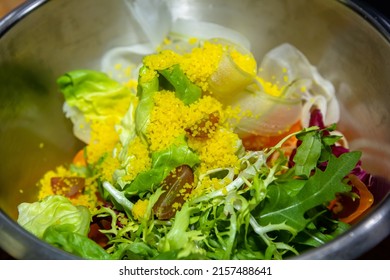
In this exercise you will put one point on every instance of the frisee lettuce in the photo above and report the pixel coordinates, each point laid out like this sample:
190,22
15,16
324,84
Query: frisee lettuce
265,212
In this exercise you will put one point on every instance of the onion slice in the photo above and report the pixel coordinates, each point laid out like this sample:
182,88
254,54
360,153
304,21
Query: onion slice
122,63
185,29
153,16
285,64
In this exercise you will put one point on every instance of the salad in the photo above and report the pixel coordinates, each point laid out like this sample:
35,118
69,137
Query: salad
200,151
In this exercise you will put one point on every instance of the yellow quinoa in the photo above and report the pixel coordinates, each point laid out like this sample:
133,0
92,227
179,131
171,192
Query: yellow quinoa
171,118
198,64
204,106
246,62
271,88
200,111
139,209
217,152
162,60
176,206
147,75
201,63
207,185
140,161
166,120
103,139
107,168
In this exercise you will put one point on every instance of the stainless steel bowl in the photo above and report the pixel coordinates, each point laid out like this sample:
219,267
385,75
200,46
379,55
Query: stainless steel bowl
42,39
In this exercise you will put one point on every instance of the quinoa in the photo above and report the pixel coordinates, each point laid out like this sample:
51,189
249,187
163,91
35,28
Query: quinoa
87,198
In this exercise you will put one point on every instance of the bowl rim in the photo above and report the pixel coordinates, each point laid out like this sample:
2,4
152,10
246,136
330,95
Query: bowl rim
378,221
373,16
32,246
17,14
330,250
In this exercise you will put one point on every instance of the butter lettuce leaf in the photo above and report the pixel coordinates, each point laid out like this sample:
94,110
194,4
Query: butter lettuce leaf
53,210
145,92
63,237
91,95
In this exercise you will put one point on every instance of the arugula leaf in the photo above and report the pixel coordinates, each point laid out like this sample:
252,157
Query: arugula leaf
292,187
319,189
330,140
314,237
307,154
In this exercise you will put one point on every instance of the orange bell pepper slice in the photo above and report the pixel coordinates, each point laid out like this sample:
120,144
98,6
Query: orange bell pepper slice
366,199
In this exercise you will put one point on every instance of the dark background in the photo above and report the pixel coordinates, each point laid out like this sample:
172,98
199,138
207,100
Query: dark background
378,5
382,250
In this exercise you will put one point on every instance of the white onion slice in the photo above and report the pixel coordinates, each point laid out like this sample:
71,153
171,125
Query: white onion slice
313,101
184,29
117,61
81,128
153,16
284,64
262,114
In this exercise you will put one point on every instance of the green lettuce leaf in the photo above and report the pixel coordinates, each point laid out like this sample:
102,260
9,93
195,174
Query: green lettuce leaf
185,90
53,210
145,93
91,95
180,237
133,251
163,162
63,237
307,154
313,236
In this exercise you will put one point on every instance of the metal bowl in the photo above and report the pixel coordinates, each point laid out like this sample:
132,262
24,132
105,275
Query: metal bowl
43,39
